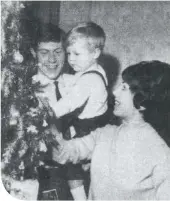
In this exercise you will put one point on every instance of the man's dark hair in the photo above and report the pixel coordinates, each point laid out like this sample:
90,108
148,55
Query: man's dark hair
47,32
34,31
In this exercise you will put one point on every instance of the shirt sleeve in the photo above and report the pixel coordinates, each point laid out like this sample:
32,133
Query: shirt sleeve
161,178
77,149
77,96
84,146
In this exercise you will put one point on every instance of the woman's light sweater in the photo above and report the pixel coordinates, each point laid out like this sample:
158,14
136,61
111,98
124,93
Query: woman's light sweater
129,162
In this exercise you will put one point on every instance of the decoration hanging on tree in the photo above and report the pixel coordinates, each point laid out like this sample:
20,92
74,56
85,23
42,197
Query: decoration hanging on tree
18,58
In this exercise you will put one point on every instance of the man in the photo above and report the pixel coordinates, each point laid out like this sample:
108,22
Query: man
50,57
49,53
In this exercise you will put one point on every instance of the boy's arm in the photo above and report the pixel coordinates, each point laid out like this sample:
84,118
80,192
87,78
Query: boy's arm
77,149
77,96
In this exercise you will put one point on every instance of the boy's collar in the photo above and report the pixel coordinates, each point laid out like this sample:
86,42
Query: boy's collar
93,67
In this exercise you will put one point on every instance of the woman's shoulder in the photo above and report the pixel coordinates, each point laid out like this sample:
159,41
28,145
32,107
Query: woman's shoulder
149,134
153,141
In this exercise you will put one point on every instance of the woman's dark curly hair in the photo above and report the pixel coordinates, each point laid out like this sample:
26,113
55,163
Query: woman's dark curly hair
150,83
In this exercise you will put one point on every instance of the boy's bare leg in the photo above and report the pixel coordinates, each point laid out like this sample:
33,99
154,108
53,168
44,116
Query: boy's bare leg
77,189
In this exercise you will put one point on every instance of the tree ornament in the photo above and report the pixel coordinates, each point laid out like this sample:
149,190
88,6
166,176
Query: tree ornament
18,58
42,146
14,115
7,78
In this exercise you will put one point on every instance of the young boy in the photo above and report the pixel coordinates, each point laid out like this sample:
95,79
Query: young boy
84,95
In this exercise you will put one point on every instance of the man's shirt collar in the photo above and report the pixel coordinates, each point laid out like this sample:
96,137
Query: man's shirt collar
39,77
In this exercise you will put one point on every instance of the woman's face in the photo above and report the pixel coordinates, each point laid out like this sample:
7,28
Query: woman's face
124,106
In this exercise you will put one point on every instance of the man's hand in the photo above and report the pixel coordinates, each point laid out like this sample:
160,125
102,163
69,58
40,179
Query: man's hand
45,103
55,132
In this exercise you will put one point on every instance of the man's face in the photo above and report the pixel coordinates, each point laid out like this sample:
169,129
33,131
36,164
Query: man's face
51,58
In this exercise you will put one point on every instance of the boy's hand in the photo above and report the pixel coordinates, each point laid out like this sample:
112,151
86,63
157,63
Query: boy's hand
86,167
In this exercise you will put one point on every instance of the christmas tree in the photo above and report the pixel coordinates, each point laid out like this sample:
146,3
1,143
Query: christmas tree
24,135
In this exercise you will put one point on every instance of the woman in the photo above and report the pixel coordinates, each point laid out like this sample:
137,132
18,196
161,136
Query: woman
130,161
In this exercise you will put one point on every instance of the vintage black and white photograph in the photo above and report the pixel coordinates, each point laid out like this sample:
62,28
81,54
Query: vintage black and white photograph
85,100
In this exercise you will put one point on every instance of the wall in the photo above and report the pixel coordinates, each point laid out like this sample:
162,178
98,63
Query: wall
45,11
135,31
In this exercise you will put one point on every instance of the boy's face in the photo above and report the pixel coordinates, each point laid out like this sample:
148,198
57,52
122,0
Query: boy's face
51,58
80,57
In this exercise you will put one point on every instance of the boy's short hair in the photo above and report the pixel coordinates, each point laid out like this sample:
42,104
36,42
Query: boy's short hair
94,34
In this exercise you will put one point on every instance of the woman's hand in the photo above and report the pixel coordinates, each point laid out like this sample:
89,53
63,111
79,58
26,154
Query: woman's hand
65,151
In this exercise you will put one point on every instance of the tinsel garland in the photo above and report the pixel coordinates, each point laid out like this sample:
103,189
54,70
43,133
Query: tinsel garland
10,25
